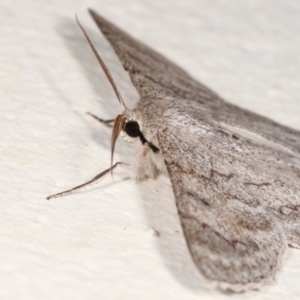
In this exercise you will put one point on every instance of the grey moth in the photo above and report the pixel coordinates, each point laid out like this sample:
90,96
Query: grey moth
235,175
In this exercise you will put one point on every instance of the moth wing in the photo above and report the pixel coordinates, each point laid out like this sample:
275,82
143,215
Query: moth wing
246,122
151,73
230,194
155,76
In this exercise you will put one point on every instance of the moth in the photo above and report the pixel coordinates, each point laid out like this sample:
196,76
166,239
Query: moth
235,175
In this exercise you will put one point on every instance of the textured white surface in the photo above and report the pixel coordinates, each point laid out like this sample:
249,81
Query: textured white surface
101,243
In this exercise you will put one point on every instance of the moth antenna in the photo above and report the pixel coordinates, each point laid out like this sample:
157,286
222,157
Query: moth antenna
118,125
102,64
102,174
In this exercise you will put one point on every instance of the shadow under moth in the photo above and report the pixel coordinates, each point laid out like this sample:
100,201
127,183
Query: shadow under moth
235,175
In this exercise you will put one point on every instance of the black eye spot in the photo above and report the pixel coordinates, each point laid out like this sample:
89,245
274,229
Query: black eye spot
132,129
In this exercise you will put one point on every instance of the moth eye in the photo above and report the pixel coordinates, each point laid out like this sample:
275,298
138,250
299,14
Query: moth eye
132,129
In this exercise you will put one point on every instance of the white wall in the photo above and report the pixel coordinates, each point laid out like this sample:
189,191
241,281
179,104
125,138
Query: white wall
101,243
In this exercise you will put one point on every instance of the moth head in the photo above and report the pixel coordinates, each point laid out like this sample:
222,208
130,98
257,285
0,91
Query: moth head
129,128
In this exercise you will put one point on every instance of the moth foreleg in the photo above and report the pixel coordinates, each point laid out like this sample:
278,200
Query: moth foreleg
105,122
99,176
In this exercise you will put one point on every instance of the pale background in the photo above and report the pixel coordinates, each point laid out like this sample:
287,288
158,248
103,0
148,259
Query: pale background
101,243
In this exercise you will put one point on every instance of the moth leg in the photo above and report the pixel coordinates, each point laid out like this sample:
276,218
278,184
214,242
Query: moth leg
105,122
99,176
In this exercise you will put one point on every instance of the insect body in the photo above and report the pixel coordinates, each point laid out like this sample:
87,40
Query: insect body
235,175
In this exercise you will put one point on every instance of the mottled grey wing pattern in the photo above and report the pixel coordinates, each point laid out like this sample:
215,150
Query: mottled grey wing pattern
151,73
154,75
242,118
238,201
